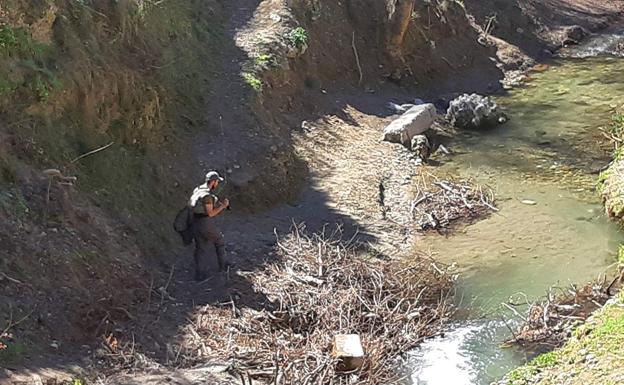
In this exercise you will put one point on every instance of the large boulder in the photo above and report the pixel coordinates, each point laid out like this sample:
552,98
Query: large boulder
474,112
414,121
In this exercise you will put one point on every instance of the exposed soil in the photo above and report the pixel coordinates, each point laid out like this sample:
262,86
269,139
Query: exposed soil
310,138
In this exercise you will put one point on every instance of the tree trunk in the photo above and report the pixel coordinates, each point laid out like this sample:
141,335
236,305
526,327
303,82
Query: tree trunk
399,17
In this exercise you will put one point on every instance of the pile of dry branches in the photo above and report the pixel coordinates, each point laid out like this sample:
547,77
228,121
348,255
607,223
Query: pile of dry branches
439,202
322,287
551,321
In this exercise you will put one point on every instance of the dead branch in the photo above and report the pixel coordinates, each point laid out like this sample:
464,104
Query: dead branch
440,202
320,288
550,321
92,152
357,57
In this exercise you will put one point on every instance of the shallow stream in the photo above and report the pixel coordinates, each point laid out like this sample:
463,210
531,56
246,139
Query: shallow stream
551,230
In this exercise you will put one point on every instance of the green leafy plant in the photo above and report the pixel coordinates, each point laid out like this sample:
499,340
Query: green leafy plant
617,125
33,55
265,61
298,37
6,85
41,88
252,80
617,130
545,360
8,39
17,41
44,82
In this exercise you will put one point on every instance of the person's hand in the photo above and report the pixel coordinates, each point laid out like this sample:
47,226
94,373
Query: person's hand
226,203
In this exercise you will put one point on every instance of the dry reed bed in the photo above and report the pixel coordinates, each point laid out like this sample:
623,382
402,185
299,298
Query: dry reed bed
323,286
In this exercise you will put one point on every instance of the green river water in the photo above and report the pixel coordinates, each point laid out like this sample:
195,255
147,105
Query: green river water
549,153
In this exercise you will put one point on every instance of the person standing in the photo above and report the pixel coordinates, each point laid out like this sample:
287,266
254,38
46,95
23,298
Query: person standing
206,207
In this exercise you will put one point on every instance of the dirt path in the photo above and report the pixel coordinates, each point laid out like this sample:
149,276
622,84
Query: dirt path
347,163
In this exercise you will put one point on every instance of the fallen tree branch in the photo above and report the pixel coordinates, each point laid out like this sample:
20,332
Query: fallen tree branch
551,320
440,202
319,288
357,58
92,152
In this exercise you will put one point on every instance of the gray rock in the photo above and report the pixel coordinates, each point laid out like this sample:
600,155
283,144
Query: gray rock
573,35
399,108
474,112
420,145
414,121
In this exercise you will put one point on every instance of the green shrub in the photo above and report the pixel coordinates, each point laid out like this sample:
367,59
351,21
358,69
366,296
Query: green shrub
265,61
617,124
253,81
545,360
298,37
18,42
8,39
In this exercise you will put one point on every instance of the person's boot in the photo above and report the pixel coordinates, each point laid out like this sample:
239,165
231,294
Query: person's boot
224,264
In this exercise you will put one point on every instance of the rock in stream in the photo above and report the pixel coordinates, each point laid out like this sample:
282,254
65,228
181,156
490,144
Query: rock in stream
474,112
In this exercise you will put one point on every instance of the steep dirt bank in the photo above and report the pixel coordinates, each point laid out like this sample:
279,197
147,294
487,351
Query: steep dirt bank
79,75
74,77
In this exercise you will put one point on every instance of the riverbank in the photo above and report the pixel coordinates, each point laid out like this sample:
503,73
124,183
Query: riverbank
593,356
611,183
550,232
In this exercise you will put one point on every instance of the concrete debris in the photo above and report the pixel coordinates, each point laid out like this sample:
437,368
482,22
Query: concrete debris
349,351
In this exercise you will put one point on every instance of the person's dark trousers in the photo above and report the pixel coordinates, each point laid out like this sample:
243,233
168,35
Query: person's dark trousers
207,236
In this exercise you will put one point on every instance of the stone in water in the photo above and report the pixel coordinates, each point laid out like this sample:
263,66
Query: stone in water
529,202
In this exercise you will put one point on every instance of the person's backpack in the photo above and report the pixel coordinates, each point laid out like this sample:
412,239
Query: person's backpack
183,225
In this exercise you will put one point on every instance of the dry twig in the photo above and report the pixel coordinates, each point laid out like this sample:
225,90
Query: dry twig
440,202
320,288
